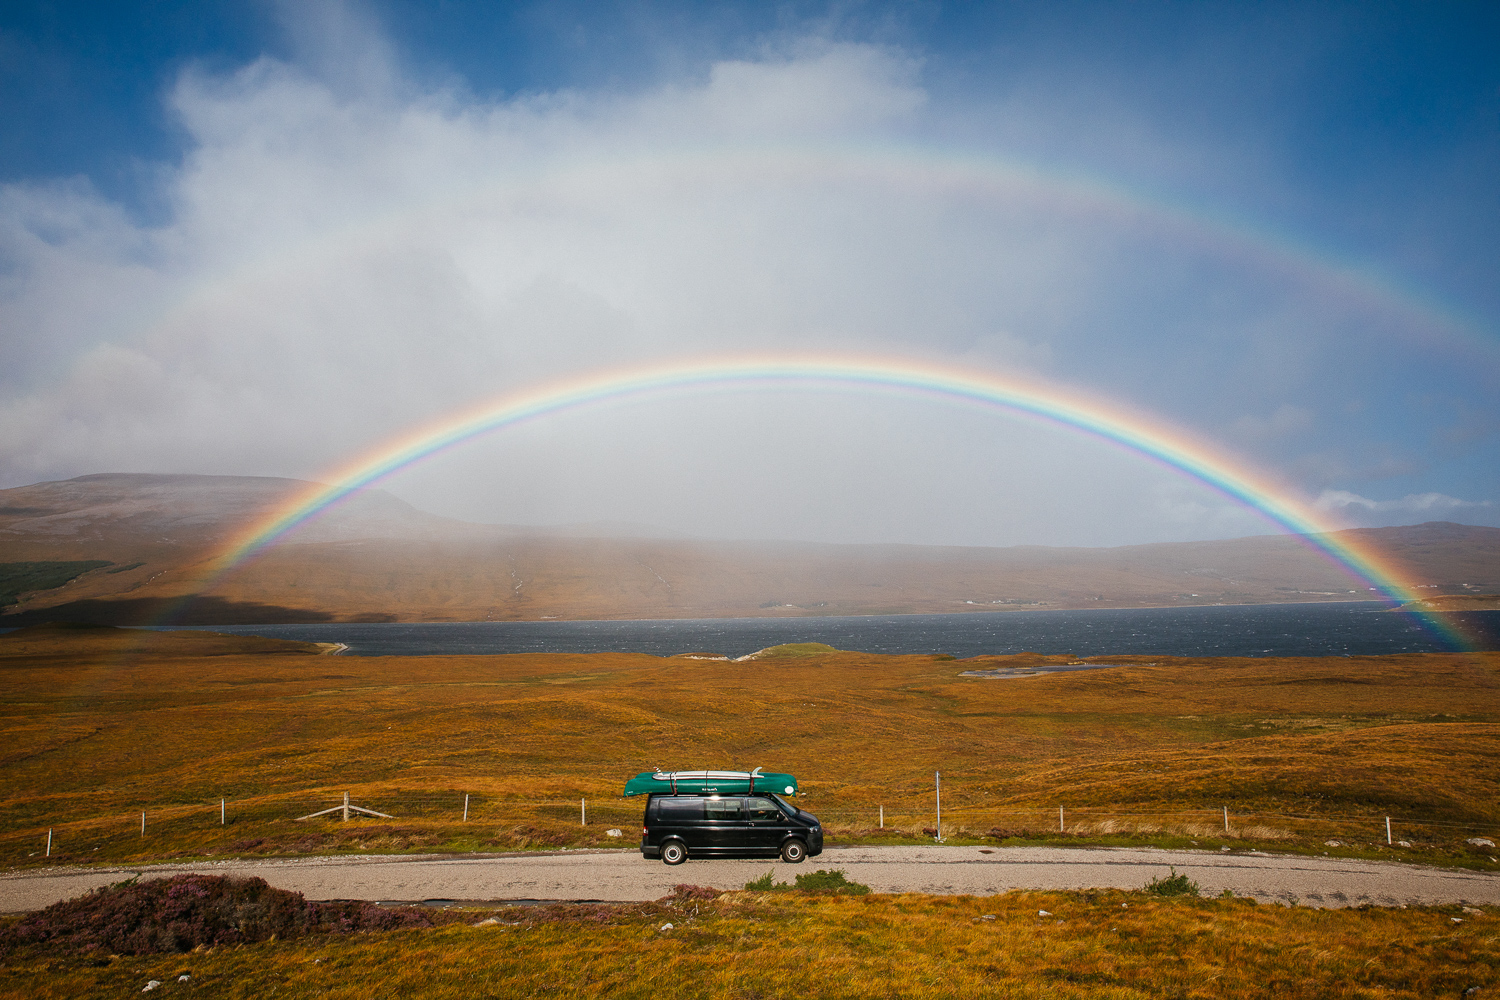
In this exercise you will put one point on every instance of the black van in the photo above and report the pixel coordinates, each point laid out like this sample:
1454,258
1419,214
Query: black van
728,826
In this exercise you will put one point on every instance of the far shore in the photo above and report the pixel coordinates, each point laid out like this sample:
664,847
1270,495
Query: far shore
1456,603
1453,603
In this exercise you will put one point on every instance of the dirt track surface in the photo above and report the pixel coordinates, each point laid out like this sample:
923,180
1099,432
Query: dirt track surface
623,875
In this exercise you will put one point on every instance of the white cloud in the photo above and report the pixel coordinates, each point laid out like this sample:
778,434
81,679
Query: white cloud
1358,511
349,256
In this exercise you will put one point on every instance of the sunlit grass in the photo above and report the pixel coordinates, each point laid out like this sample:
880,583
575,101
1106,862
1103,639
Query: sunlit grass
742,945
100,726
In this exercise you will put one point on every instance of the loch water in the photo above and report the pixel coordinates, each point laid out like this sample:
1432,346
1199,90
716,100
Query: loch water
1354,629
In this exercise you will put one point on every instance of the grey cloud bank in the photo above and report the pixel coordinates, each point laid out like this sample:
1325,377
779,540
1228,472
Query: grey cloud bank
349,255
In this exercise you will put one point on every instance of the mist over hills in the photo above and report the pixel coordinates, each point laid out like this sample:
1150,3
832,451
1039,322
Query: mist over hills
377,558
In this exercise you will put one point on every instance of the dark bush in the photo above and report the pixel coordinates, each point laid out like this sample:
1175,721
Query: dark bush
833,882
183,912
821,882
1173,885
766,883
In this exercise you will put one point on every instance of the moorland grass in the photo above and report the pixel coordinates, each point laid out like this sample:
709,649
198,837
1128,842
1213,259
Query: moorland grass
749,945
99,725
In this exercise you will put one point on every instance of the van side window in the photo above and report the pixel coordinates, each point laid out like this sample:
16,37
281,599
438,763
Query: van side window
678,810
721,808
759,810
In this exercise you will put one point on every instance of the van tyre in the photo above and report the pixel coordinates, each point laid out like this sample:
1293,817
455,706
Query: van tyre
673,852
793,852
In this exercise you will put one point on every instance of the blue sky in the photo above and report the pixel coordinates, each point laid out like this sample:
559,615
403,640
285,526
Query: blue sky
259,238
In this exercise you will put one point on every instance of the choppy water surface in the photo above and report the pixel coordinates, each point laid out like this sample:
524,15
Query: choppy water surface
1243,630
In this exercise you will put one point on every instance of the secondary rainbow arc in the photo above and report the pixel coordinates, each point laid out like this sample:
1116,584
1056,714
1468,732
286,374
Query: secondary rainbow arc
1135,432
975,174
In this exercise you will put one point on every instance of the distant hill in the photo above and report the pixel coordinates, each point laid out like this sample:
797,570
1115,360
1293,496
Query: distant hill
1456,602
125,509
376,558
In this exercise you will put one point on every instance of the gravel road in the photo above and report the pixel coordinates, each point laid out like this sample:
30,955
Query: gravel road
623,875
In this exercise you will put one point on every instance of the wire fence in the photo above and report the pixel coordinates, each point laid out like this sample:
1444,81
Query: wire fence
230,821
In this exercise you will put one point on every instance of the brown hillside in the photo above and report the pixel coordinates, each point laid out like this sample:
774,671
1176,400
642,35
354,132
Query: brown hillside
376,558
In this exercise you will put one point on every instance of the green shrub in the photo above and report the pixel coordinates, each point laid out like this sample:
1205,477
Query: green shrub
1173,885
766,883
832,882
829,883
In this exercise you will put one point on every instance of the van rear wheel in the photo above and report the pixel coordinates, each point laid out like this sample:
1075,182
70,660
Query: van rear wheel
793,852
673,852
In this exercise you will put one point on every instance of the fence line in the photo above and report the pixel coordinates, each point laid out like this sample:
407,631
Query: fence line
465,807
424,806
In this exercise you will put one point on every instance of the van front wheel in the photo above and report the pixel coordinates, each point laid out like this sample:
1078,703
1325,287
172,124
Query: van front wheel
673,853
793,852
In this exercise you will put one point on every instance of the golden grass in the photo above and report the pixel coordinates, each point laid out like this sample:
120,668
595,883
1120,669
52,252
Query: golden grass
98,725
746,945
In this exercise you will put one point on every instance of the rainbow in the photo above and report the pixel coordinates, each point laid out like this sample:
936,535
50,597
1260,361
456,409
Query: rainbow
981,179
1136,432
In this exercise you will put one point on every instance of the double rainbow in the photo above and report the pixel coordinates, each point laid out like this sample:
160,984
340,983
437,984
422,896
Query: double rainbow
975,180
1135,432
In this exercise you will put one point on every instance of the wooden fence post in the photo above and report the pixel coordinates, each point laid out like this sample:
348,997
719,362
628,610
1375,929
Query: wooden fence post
143,823
1061,827
937,781
346,807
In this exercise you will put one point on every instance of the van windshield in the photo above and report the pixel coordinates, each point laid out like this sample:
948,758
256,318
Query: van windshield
791,810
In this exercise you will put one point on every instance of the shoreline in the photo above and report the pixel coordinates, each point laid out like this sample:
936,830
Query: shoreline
1491,602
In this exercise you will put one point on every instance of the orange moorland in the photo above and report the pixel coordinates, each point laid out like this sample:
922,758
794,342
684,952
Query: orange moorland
100,725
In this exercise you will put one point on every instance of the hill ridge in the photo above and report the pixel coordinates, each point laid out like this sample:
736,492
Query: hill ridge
378,558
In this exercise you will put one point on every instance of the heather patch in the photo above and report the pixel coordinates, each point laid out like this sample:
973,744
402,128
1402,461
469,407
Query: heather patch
188,911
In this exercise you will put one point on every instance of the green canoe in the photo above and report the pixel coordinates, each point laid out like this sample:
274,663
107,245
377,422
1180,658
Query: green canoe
710,783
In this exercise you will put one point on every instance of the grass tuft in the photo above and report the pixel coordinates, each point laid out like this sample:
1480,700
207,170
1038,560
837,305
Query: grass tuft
1172,885
833,882
766,883
823,882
